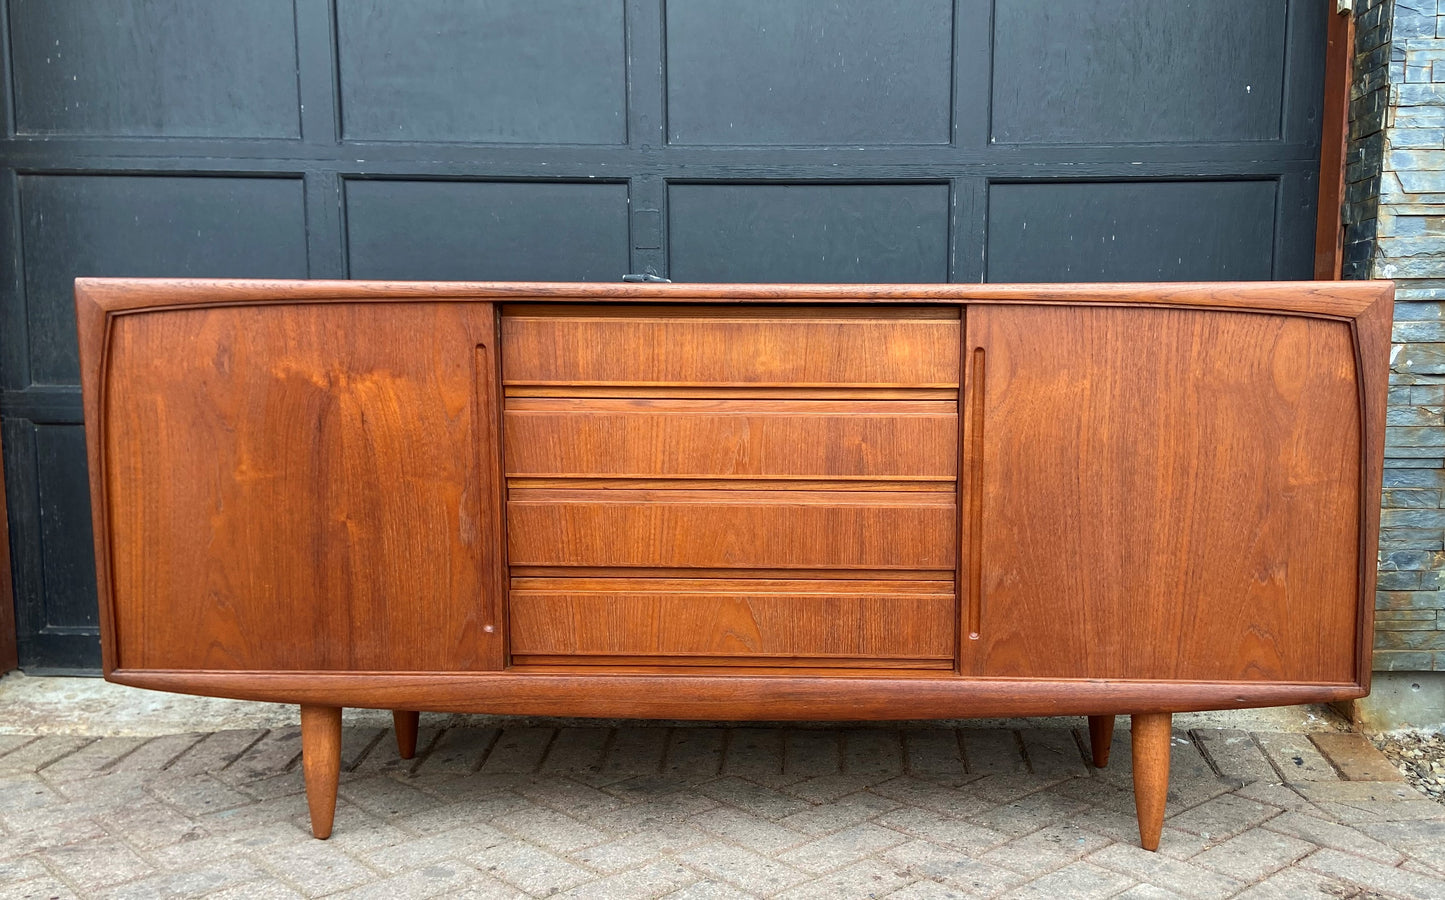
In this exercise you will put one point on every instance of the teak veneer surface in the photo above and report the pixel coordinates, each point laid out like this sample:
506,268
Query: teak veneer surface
737,502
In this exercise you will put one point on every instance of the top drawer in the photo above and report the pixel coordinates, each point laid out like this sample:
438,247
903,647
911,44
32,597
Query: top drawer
788,347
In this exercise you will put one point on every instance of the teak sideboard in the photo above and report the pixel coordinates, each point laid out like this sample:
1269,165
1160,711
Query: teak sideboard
770,502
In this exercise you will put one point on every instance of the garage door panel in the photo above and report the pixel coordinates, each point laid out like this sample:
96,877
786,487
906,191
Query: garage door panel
164,68
478,230
505,71
1131,231
760,72
1129,71
146,226
808,232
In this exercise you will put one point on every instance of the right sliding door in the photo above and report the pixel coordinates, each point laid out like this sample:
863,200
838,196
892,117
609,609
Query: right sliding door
1159,493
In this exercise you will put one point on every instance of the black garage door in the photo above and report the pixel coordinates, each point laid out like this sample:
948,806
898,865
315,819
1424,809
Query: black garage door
703,140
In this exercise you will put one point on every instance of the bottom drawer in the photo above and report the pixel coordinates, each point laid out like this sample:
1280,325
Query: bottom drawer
772,622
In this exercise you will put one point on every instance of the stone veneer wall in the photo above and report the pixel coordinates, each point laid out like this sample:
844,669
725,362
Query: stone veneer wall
1395,228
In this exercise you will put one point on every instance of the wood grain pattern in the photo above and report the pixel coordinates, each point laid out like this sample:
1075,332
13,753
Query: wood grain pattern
1149,747
728,695
730,439
1337,299
1168,495
299,490
907,346
746,620
321,764
732,529
1334,146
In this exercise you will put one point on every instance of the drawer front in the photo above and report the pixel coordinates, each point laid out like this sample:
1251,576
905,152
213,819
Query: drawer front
728,439
748,346
732,529
733,621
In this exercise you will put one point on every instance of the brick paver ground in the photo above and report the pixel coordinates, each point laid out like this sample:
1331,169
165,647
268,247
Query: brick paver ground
704,812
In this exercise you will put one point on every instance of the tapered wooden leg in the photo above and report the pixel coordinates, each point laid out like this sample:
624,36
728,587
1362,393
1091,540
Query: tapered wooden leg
405,722
1149,738
1101,736
321,763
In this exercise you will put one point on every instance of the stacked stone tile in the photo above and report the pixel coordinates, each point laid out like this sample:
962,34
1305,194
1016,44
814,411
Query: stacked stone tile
1395,228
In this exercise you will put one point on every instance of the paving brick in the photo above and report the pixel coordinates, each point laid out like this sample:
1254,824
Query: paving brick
1375,876
92,758
742,868
843,812
813,752
1046,849
549,829
750,831
873,751
636,751
577,750
709,889
92,865
518,750
1222,817
1253,854
992,751
869,878
317,867
1053,752
35,755
197,795
842,848
458,751
1332,834
369,751
928,860
919,792
1037,810
1080,880
197,882
933,752
156,753
43,888
10,742
276,752
415,852
754,798
958,835
1182,877
640,847
1355,757
388,797
694,752
448,877
266,889
215,751
753,751
1300,884
653,880
1423,840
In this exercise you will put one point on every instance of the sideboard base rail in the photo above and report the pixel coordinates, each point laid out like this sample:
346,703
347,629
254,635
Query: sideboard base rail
733,697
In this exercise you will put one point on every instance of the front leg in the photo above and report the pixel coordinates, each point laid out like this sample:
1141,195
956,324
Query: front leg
1150,736
321,763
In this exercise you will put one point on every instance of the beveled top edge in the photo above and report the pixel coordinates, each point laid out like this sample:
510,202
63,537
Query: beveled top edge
1341,299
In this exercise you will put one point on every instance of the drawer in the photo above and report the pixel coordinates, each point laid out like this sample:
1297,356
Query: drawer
732,621
915,347
732,439
738,529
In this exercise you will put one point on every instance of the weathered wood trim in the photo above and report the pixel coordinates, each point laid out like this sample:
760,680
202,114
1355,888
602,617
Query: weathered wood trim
1334,144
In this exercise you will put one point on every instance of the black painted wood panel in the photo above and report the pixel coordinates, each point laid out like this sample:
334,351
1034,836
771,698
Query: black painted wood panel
1127,71
487,231
74,225
506,71
805,72
166,68
1131,231
735,140
808,232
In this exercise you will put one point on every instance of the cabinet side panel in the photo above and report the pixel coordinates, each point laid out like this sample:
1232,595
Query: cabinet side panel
294,487
1167,494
